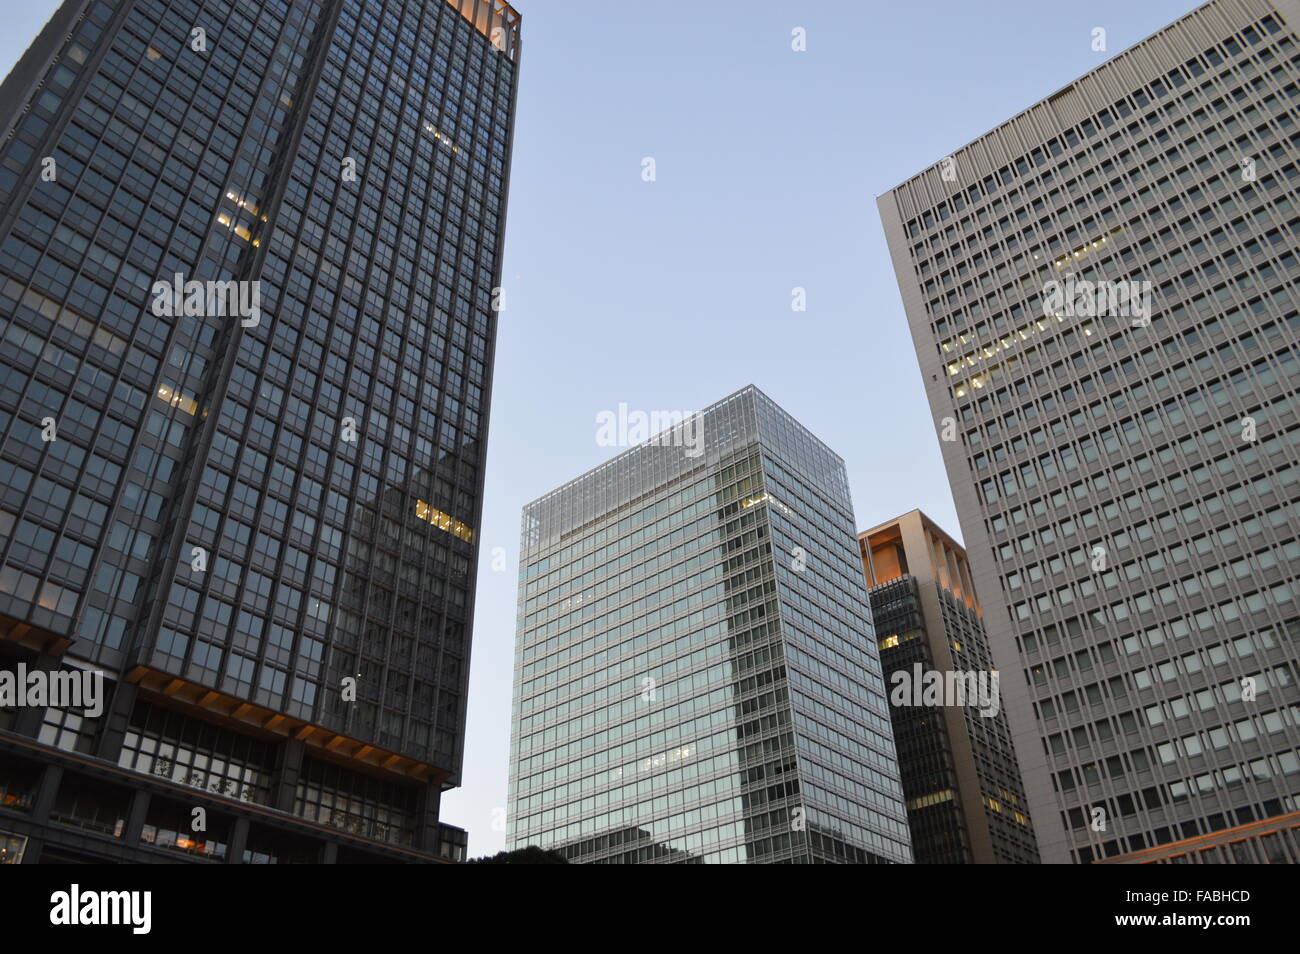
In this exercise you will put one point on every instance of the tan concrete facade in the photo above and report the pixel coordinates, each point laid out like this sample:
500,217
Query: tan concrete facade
1070,433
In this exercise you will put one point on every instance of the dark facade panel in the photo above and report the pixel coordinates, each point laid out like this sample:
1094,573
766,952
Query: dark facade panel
247,260
966,802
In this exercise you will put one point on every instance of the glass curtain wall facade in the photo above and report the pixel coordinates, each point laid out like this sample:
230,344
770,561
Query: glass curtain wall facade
1125,473
257,515
696,678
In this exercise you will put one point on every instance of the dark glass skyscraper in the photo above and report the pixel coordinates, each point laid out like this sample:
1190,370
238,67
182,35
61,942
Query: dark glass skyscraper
965,801
251,506
696,677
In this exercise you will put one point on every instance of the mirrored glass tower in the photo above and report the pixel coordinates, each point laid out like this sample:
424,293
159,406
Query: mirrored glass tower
696,675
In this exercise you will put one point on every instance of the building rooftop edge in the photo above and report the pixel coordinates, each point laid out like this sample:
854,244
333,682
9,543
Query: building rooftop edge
747,389
1127,51
925,519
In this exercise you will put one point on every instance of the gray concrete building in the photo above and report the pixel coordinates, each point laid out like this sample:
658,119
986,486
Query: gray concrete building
1102,294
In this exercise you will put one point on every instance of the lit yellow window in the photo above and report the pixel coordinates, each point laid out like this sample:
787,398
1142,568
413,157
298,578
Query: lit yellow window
173,396
443,521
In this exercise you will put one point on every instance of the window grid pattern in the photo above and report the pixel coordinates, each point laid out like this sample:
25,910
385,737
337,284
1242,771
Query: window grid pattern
1080,433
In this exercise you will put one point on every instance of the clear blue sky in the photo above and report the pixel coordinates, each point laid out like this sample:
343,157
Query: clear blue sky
674,293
